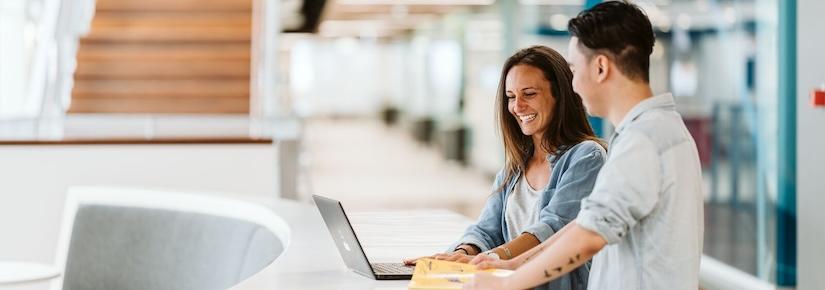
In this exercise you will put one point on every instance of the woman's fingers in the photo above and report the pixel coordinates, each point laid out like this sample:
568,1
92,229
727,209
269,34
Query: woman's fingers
464,259
412,261
448,257
495,264
440,256
485,265
479,258
482,258
452,257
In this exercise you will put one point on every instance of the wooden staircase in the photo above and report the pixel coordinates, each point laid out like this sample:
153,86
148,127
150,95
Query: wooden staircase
165,56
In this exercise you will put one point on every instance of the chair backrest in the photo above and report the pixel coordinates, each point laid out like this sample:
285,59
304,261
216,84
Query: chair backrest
140,239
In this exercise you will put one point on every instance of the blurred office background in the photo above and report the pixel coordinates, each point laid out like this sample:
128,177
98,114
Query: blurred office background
383,104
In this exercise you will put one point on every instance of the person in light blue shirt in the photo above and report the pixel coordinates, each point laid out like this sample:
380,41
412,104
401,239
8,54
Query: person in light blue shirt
552,158
643,224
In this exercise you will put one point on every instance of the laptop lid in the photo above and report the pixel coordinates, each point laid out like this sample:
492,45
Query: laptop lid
339,227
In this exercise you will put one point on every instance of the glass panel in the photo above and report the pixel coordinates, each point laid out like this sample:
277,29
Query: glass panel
718,57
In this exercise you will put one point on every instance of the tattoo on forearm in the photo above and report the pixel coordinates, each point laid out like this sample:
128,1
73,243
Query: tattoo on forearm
550,273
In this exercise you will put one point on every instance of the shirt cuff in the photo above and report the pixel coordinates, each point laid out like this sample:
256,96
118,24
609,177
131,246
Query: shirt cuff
592,221
541,230
469,240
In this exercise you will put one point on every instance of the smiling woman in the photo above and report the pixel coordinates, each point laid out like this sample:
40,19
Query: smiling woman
529,100
552,159
543,72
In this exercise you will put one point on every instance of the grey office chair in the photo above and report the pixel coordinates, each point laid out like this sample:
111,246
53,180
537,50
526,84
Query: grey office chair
137,239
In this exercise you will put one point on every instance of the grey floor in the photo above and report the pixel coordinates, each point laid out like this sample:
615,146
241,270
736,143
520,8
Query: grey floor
369,166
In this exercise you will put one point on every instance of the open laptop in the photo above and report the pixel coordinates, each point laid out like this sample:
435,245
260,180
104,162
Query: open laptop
349,247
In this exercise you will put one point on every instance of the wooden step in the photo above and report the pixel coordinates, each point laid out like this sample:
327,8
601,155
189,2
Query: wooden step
170,27
171,89
161,105
178,34
172,19
164,52
174,5
165,56
154,70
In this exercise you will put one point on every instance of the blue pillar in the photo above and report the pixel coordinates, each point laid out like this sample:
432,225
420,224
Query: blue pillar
597,125
786,203
590,3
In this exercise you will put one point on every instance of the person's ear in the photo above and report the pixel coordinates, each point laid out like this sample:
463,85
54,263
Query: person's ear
603,67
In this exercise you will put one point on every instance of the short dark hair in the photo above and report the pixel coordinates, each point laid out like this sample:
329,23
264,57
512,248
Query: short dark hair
620,30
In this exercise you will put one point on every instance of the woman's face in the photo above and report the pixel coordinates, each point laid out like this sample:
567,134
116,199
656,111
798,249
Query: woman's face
529,99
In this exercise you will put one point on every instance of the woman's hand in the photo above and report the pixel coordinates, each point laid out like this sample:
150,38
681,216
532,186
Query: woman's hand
481,281
486,262
411,261
456,256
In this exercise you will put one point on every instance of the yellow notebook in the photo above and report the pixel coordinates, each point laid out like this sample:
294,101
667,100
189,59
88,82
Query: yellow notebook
437,274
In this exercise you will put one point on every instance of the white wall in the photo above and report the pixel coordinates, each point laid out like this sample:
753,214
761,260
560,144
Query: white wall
35,179
344,77
483,69
810,146
16,36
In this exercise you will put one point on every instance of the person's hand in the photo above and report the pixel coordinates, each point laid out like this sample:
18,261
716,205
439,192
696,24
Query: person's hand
456,256
486,262
482,281
411,261
482,258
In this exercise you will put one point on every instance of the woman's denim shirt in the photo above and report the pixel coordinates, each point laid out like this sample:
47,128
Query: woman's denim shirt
572,179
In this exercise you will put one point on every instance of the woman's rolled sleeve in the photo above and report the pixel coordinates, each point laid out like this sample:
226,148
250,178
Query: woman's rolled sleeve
575,184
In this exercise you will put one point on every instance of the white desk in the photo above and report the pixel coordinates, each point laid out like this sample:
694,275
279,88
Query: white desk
311,259
24,272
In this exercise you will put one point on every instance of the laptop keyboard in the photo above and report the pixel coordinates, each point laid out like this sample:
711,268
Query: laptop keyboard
392,268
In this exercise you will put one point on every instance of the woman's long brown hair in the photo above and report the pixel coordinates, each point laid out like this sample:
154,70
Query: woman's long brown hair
569,125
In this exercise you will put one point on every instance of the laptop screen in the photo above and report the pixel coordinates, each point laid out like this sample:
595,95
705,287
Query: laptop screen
339,227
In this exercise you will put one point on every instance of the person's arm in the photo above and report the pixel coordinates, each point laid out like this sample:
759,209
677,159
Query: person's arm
526,256
517,246
571,249
485,262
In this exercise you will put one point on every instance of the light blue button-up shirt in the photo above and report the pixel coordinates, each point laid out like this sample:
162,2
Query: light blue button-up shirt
648,203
